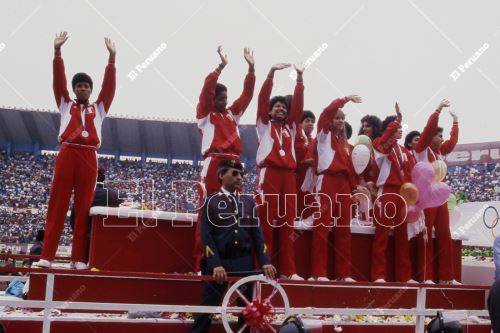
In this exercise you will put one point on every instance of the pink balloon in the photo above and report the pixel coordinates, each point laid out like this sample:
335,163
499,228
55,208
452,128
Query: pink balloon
434,196
422,174
412,213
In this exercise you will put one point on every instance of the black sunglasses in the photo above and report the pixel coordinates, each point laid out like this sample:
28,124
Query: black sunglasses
236,173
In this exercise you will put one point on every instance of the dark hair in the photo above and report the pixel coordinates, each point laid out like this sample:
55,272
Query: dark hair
276,99
40,234
375,123
387,121
219,88
307,114
225,165
348,130
409,138
81,77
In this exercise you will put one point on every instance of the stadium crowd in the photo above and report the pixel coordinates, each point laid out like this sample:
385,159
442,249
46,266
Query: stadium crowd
25,184
478,182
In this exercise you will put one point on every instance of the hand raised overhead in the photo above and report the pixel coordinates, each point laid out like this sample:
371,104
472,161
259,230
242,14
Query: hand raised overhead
443,104
110,45
248,54
60,39
354,98
223,57
398,111
280,66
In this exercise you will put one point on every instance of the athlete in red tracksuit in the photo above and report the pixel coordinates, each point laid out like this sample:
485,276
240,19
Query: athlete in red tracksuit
335,183
418,143
76,164
371,126
218,126
393,165
438,217
304,153
276,130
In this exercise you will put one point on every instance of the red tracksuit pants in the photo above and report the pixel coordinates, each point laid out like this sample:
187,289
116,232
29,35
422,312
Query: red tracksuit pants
75,169
332,205
439,219
304,199
387,216
277,201
208,183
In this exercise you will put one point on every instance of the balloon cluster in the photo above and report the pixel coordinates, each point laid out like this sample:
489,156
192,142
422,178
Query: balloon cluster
258,315
426,191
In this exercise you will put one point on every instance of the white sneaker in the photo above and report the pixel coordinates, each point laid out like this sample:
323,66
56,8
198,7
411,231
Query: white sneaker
323,279
295,277
411,281
452,282
347,279
379,281
78,265
429,282
42,263
311,279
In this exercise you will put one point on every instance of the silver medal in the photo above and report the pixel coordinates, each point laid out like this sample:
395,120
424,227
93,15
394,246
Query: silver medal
85,134
282,152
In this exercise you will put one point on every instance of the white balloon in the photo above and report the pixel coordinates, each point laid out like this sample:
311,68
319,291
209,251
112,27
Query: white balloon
360,158
363,140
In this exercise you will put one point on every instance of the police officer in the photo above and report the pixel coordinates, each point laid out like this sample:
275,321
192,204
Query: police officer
230,234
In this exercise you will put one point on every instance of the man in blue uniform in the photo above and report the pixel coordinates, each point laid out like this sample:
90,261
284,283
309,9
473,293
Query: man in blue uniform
230,236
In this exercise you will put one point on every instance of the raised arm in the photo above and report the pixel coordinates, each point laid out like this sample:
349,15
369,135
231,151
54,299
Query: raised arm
207,95
109,82
240,105
297,108
330,111
59,84
431,128
385,142
265,94
448,146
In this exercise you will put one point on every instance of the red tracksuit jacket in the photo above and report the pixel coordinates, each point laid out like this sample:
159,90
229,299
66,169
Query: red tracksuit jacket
430,155
332,154
219,130
304,150
270,133
77,118
393,162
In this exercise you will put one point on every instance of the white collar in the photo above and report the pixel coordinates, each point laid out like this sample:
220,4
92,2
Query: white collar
227,193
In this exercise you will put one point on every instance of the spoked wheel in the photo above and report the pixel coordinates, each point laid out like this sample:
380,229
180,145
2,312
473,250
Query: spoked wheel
233,293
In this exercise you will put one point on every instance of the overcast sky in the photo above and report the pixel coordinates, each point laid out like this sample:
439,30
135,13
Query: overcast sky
385,51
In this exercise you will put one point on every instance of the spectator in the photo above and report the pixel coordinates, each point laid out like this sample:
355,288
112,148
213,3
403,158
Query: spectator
25,184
